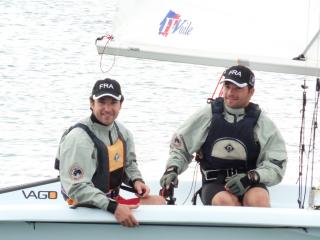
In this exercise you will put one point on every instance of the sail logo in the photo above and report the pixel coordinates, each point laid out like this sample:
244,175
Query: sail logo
40,194
173,24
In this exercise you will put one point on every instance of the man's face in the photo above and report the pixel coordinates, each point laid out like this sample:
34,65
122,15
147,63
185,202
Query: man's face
236,97
106,109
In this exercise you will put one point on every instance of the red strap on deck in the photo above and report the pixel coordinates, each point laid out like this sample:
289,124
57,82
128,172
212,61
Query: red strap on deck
130,201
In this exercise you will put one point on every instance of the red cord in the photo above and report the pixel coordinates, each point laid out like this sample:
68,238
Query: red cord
109,37
214,92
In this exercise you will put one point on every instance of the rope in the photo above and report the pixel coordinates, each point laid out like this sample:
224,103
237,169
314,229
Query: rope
110,38
314,126
312,145
301,144
193,184
215,90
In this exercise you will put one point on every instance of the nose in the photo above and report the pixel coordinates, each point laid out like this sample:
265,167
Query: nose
231,90
107,106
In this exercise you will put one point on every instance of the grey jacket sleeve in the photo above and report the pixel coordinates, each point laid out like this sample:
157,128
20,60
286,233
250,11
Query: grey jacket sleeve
272,160
189,137
77,166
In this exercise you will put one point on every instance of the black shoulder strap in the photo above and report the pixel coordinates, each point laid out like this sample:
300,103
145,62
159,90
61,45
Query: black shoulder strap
217,105
98,143
253,111
89,132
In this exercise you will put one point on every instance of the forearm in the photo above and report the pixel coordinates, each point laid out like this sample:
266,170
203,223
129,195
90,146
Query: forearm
270,173
180,159
272,160
84,193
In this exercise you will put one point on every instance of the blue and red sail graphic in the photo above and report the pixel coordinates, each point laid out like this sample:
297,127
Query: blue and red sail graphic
172,23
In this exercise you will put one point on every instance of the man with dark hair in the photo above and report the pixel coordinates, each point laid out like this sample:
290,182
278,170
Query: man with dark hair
97,155
239,149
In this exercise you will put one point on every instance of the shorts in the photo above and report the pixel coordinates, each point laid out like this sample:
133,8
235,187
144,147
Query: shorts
210,189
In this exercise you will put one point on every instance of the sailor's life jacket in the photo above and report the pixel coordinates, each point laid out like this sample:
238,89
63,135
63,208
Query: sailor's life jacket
230,148
111,161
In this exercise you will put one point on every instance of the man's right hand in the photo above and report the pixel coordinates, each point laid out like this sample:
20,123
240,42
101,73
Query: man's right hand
124,215
169,177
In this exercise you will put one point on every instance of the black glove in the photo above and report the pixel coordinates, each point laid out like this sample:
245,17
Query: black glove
240,183
170,176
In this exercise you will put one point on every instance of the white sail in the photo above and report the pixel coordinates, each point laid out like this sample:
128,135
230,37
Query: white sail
265,35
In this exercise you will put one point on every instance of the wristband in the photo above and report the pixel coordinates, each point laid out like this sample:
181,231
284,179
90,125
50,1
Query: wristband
171,169
112,206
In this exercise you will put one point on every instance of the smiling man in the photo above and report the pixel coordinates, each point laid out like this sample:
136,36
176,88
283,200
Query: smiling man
97,155
239,149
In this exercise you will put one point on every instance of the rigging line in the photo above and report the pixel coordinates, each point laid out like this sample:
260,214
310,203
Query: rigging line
193,184
317,50
110,38
301,143
305,185
302,56
215,90
316,37
314,126
312,140
221,92
311,43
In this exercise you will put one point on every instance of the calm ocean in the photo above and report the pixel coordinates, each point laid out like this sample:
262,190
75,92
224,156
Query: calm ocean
49,63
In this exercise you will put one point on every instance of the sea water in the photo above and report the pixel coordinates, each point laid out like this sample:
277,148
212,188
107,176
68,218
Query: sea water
49,63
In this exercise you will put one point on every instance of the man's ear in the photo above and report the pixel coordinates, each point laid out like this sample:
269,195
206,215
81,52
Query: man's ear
251,90
91,104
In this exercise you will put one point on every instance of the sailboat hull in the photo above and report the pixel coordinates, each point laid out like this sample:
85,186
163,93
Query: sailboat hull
79,231
30,213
